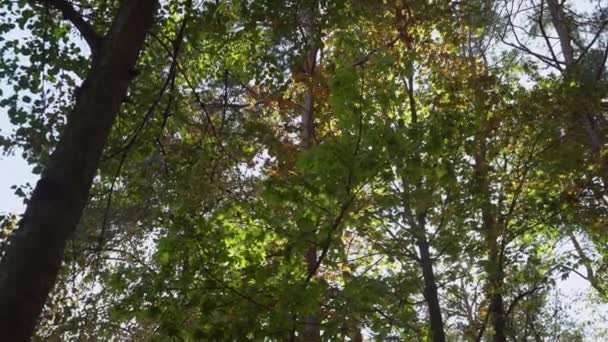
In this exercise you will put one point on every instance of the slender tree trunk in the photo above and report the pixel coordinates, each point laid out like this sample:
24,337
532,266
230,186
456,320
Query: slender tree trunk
491,229
311,330
494,270
308,112
352,324
588,123
418,225
29,268
563,32
430,292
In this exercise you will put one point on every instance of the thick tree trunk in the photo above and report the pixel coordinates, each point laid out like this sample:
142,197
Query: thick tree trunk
30,265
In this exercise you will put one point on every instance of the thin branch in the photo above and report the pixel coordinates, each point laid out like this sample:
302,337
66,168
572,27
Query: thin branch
521,296
228,287
367,57
600,72
92,38
200,102
522,47
328,239
587,264
588,47
133,139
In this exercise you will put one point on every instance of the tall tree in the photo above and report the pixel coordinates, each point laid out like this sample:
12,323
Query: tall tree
565,33
30,264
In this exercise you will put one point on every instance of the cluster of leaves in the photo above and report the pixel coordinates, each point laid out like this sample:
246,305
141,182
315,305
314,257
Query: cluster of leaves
205,205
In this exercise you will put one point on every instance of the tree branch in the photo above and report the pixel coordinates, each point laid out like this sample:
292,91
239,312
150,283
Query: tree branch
593,281
92,38
595,37
521,296
328,239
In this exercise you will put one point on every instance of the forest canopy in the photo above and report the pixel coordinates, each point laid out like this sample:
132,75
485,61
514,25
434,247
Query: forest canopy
305,170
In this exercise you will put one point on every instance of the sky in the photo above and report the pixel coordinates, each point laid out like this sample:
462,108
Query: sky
14,170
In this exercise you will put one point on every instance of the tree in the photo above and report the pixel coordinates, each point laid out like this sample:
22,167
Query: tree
32,260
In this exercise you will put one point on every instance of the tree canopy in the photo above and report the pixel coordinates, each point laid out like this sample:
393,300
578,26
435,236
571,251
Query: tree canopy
304,170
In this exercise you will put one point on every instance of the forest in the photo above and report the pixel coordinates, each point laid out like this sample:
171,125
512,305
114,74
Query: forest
305,170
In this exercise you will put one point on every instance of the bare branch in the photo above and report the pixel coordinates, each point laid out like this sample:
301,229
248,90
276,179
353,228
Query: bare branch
602,65
591,277
521,296
597,35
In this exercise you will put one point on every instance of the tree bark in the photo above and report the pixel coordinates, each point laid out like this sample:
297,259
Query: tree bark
32,261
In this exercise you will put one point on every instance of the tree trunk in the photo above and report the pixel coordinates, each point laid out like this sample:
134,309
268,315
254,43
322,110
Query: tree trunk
497,306
563,32
430,290
494,270
587,121
356,335
491,230
418,225
311,331
29,268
